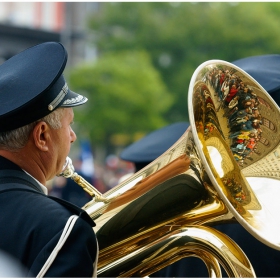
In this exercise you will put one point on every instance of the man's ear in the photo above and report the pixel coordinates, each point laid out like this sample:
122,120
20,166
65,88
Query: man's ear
41,136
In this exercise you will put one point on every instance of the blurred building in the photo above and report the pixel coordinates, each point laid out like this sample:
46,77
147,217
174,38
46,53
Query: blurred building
24,24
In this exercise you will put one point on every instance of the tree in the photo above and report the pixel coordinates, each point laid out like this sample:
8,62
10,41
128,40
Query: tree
126,96
180,36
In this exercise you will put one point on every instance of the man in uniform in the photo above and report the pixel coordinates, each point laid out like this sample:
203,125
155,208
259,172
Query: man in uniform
48,236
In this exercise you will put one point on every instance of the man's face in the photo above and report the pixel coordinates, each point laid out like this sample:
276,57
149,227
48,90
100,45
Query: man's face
61,140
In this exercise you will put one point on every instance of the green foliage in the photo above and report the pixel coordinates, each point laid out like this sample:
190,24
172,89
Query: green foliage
148,50
180,36
126,95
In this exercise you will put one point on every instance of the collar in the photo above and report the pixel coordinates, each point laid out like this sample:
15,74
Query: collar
44,189
7,164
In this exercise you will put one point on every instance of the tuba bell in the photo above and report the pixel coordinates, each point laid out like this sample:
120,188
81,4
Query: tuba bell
164,212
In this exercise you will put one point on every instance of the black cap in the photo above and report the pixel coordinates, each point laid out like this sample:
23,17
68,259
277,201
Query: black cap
153,144
265,69
32,85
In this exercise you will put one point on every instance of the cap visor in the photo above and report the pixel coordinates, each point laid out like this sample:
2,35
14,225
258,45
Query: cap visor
73,99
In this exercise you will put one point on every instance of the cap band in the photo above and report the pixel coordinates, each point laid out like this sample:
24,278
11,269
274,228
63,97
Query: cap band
58,98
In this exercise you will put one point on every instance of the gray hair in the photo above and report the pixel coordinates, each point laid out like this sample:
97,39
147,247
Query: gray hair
16,139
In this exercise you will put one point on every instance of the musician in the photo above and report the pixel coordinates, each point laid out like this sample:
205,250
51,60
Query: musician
48,236
265,260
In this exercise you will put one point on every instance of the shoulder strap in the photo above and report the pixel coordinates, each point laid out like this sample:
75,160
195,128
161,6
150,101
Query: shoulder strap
75,209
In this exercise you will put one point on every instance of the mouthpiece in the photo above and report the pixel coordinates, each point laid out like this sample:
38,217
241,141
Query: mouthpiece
68,171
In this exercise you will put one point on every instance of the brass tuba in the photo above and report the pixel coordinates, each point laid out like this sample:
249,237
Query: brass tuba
164,212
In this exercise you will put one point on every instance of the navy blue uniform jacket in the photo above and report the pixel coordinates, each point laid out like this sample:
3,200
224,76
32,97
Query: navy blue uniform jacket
31,224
